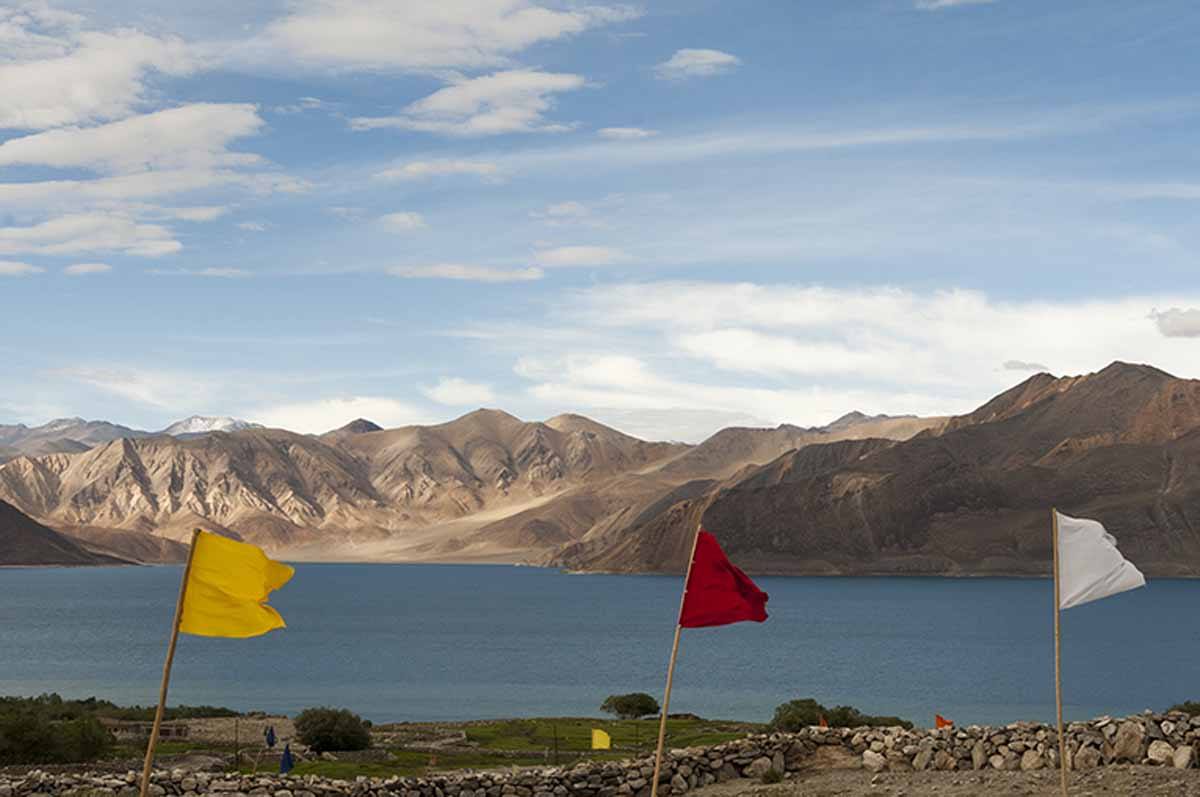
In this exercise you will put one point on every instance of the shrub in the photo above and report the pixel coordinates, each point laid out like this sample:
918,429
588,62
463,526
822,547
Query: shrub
29,737
772,775
797,714
630,706
325,729
1187,707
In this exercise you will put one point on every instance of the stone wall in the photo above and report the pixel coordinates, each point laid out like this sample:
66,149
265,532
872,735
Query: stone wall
1165,740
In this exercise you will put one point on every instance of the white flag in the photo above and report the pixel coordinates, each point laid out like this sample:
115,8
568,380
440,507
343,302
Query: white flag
1089,565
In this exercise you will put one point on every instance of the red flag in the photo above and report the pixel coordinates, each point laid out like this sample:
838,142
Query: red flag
717,592
942,722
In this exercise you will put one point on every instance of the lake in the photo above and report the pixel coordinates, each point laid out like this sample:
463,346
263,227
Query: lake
446,642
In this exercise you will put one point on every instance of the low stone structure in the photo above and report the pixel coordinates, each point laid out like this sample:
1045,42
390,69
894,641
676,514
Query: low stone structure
1168,740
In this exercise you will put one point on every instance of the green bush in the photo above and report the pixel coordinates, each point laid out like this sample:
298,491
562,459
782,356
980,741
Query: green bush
797,714
772,775
1187,707
325,729
30,737
630,706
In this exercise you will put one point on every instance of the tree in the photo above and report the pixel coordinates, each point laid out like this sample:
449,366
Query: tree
797,714
325,729
630,706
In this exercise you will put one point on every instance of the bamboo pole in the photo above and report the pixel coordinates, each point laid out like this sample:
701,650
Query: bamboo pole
166,676
662,723
1062,739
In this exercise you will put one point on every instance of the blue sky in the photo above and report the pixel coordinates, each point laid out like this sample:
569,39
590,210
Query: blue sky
670,216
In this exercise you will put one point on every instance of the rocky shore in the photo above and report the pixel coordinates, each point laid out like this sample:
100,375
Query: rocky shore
1163,740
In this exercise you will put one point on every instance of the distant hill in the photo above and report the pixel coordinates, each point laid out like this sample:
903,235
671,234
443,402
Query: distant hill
61,436
971,496
24,542
358,426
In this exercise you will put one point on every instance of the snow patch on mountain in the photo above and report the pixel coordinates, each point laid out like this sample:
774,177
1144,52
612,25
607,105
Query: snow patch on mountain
203,424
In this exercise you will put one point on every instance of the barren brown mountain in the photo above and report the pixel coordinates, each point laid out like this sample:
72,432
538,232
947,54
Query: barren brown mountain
24,542
972,497
324,496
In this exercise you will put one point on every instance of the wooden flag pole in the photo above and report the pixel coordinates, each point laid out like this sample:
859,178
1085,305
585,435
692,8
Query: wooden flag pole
1062,739
662,723
166,676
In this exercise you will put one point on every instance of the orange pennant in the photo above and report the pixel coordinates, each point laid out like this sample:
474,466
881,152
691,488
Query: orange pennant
942,722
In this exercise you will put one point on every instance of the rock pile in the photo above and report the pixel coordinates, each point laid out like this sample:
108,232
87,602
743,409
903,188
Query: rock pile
1167,740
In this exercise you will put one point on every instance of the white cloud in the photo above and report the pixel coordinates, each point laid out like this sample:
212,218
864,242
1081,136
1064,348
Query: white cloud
66,76
199,213
805,354
626,133
934,5
323,415
425,36
1022,365
420,170
252,226
157,388
469,273
215,272
83,269
503,102
457,392
566,256
10,268
564,210
89,232
1178,323
402,221
190,136
300,106
688,63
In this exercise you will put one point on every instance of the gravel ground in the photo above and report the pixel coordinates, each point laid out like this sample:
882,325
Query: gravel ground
1108,781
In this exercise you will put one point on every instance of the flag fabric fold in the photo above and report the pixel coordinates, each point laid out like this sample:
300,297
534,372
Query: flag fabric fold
227,589
601,740
1089,565
717,591
941,722
286,762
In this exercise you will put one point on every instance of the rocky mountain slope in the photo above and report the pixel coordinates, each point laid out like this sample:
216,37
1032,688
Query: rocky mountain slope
24,542
283,490
970,497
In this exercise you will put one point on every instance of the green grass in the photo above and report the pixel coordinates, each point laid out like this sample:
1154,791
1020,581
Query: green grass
628,736
530,742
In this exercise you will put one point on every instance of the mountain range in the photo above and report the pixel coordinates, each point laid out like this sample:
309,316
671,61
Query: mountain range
959,495
72,435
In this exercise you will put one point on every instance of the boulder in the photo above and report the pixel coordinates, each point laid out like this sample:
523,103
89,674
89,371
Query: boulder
1031,759
758,767
1184,756
978,756
873,761
1128,742
1160,752
1086,758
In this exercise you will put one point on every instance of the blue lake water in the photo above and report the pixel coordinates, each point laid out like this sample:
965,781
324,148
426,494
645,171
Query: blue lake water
428,642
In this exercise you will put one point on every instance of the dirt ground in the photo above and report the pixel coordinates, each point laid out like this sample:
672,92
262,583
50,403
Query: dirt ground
1114,781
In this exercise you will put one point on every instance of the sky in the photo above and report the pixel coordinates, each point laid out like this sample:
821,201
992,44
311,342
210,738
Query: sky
670,216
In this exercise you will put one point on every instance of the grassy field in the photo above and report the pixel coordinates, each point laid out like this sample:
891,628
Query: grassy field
532,742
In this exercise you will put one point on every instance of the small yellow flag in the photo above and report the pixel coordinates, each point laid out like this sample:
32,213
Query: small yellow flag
601,740
227,589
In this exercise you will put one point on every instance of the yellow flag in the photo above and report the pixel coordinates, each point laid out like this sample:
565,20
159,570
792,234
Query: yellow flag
227,589
601,740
